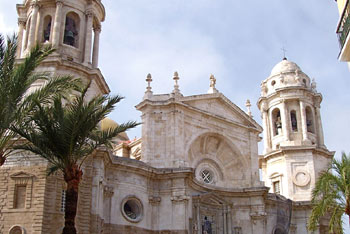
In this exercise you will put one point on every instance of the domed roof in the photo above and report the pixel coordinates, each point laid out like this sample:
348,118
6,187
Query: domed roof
284,66
108,123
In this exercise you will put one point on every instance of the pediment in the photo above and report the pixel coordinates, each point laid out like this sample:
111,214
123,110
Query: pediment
217,105
21,175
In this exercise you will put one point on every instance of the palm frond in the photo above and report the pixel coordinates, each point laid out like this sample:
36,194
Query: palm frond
331,195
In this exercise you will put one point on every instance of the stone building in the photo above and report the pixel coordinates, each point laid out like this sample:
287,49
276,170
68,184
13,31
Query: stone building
196,167
343,29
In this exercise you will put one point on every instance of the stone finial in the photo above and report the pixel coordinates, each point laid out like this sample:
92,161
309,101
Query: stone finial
148,92
297,77
176,78
212,88
264,89
248,105
313,85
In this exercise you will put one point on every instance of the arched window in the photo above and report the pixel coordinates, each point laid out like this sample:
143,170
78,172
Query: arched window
293,120
309,120
47,28
277,123
71,30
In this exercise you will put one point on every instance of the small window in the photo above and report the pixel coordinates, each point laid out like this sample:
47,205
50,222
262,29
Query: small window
276,187
294,122
304,82
16,230
207,176
20,196
132,209
273,83
63,201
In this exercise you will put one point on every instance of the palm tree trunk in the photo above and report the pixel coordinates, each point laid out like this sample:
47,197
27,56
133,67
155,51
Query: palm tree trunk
2,159
72,177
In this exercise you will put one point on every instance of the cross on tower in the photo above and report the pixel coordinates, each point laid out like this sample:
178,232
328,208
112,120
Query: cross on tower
284,52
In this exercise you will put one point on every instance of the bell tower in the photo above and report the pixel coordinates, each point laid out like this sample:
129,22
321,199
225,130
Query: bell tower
294,149
73,27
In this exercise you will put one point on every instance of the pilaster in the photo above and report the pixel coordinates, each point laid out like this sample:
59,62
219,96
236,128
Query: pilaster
97,31
33,24
88,37
57,24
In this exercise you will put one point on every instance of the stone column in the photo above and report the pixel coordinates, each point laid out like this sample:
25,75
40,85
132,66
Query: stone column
97,31
303,120
199,219
21,25
225,219
33,24
88,39
229,221
285,125
319,130
57,24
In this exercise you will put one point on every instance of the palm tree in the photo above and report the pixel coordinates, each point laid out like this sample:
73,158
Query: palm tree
16,101
65,134
331,195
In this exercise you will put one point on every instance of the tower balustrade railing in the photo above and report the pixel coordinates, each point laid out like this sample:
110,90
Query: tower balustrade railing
343,27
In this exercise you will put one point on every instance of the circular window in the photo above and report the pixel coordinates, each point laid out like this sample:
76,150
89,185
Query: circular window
207,176
16,230
132,209
273,83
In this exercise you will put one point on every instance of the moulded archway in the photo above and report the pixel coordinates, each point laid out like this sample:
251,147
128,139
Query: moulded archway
215,153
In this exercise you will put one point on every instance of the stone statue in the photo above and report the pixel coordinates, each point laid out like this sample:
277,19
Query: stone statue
207,226
313,85
212,81
264,89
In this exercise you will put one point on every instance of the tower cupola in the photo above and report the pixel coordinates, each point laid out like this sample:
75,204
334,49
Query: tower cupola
294,149
290,106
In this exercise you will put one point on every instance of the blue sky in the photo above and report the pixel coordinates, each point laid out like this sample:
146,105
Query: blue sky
238,41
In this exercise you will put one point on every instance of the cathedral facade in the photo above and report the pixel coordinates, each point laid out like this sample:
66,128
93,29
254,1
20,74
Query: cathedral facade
195,170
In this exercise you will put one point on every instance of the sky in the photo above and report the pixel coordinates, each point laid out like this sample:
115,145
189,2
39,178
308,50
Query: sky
237,41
